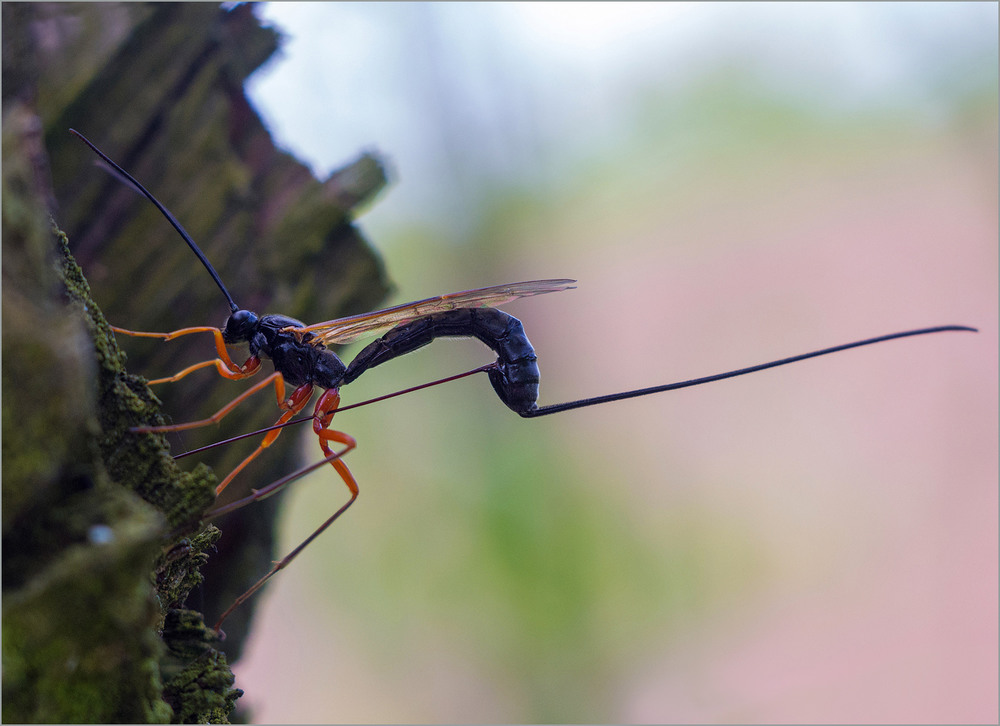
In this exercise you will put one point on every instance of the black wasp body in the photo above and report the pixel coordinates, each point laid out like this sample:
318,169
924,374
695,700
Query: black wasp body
515,374
301,359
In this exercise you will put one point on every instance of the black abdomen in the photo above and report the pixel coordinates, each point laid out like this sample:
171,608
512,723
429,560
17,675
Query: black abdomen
515,379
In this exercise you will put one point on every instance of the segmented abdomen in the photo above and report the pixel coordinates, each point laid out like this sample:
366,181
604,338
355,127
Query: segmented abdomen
515,379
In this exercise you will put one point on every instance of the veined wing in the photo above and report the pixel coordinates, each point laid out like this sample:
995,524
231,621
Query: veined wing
346,330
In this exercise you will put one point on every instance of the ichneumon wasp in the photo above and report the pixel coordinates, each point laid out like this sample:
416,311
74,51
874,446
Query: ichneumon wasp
301,359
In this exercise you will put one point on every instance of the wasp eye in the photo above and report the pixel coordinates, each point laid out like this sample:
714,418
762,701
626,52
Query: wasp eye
240,326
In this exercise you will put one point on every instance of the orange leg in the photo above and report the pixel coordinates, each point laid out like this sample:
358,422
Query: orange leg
279,389
224,364
292,405
322,415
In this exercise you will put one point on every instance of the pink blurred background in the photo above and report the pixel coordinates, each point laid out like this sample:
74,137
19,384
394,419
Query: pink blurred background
816,543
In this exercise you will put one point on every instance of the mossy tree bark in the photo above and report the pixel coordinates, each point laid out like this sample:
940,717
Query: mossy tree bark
102,542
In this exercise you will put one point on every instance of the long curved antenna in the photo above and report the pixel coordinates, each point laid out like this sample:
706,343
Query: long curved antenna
570,405
166,213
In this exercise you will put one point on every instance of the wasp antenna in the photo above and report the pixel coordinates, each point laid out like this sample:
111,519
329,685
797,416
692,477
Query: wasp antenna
570,405
166,213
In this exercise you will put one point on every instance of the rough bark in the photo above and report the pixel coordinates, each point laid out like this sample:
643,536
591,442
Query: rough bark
102,542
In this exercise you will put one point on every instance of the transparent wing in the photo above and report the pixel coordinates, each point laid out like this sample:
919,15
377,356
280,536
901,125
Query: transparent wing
346,330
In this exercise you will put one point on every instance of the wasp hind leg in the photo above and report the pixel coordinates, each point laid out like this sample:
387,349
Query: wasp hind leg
322,415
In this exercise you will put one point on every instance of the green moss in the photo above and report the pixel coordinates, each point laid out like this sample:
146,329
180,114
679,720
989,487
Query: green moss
80,639
94,557
101,539
202,691
142,464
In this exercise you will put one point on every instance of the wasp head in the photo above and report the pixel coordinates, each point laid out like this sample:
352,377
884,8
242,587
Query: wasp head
240,326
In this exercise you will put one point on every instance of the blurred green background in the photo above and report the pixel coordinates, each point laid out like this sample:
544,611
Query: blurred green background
815,543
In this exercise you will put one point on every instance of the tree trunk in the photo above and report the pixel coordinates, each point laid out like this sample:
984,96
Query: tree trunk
101,538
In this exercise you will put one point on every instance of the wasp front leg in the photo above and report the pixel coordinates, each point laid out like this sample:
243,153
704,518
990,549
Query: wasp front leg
290,405
225,365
